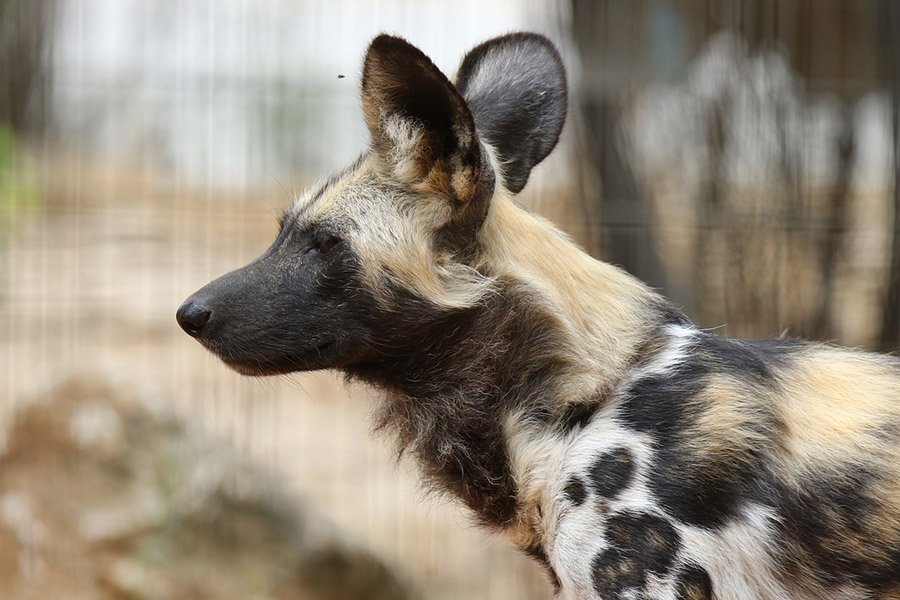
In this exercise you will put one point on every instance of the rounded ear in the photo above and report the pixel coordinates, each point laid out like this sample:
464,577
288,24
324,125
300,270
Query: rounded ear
420,125
515,86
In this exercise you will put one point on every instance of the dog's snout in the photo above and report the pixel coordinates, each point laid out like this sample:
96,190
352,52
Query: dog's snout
192,316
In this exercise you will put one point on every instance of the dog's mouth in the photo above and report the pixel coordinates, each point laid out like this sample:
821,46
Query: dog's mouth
314,357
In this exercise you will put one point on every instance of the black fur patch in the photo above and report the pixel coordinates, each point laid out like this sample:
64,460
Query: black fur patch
294,308
611,473
703,489
754,358
615,572
459,235
639,544
830,528
577,416
669,314
575,491
693,583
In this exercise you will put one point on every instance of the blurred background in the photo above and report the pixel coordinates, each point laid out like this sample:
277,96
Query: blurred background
743,156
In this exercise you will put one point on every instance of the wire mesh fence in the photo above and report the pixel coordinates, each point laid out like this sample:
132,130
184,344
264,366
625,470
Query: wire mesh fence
741,156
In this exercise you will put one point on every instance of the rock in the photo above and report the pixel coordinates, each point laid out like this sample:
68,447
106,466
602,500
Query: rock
104,497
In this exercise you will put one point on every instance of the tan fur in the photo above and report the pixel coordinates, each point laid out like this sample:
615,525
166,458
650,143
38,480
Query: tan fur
392,232
605,314
732,419
604,310
835,401
834,407
842,407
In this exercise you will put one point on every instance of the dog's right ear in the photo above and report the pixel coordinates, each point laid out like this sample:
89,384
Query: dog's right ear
515,86
420,125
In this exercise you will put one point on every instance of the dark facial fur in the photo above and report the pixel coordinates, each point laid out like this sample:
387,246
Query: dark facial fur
298,307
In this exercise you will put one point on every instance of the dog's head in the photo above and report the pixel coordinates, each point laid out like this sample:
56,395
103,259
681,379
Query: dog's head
370,258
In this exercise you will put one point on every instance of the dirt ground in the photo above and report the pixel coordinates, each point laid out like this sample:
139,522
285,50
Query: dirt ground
90,283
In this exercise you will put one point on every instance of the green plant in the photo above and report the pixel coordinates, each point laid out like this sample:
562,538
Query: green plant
18,194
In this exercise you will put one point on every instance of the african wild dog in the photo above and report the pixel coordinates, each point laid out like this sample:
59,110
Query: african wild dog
568,405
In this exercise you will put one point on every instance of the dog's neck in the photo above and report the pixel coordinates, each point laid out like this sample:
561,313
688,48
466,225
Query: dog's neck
542,349
604,312
448,395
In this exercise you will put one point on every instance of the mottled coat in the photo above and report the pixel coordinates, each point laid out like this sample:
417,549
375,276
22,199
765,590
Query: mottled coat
569,406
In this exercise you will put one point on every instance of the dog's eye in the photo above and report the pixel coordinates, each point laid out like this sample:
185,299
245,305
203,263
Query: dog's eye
323,245
328,243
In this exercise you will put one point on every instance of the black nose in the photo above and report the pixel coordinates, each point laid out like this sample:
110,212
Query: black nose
192,316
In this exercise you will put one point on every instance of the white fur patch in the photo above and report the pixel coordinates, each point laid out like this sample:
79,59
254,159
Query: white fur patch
405,137
738,557
670,356
579,535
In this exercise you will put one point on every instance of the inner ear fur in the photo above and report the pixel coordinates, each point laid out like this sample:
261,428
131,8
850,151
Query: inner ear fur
420,125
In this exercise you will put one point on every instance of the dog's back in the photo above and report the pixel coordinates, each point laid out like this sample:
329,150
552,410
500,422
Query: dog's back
763,469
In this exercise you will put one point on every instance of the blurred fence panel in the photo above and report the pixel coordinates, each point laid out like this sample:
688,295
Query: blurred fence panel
236,93
146,147
746,158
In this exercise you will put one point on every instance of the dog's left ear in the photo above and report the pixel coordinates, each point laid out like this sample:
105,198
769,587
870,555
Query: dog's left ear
420,125
515,86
